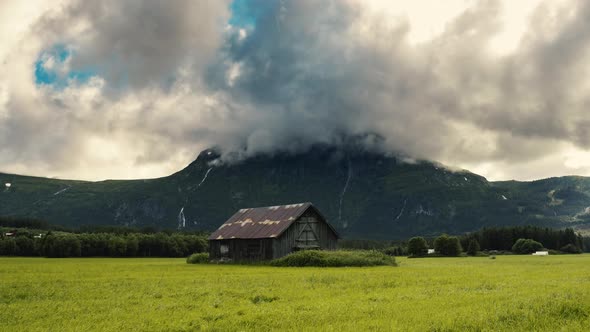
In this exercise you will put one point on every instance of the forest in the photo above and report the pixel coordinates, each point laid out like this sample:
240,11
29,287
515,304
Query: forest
32,237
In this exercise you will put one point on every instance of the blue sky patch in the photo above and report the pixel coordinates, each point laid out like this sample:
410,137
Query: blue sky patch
245,13
50,62
241,16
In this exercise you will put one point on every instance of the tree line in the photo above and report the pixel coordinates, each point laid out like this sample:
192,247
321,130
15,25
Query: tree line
504,238
444,245
487,239
517,239
120,241
60,244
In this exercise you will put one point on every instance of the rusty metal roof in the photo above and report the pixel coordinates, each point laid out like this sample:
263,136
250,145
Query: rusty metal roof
260,223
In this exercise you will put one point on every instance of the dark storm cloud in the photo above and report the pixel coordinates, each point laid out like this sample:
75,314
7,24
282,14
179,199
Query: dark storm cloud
315,76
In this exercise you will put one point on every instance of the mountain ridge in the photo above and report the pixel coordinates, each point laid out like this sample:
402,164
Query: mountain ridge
364,194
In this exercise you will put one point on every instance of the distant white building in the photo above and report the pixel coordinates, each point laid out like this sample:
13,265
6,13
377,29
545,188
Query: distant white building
541,253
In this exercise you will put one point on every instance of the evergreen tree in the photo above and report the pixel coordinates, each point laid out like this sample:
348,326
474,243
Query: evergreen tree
473,247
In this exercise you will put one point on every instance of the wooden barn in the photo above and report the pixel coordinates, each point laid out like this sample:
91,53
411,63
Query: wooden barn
271,232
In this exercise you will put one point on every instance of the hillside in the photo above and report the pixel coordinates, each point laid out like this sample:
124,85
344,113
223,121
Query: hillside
365,195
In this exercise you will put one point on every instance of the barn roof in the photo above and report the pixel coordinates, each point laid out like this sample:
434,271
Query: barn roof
261,222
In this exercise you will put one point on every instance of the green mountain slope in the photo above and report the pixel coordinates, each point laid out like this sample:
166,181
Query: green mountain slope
365,195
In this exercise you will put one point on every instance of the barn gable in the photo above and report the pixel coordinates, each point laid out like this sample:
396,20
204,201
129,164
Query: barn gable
271,232
262,222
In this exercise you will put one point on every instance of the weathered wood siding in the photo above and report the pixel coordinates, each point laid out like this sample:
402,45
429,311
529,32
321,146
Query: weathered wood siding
241,249
309,231
288,241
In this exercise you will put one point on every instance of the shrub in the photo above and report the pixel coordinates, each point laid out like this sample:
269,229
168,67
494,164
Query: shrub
447,245
571,249
417,246
199,258
526,246
393,251
335,258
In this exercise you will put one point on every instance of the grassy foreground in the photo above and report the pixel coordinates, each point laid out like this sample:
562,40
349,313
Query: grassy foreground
510,293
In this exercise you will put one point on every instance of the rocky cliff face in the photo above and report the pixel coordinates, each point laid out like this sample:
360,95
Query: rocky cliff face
364,195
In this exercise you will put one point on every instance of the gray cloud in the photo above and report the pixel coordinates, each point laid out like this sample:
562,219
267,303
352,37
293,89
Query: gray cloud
139,43
143,53
314,77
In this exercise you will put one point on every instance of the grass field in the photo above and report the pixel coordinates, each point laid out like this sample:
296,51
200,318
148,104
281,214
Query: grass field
510,293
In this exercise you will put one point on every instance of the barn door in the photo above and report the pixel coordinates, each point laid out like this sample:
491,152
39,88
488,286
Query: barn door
307,237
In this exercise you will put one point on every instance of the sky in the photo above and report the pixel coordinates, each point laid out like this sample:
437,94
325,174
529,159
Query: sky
136,89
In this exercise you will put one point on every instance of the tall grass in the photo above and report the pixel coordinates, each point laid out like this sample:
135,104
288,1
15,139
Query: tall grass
337,258
198,258
510,293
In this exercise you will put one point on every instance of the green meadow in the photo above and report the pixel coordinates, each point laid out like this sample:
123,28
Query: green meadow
510,293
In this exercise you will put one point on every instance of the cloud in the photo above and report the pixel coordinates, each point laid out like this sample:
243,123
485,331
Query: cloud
315,75
164,80
139,43
140,103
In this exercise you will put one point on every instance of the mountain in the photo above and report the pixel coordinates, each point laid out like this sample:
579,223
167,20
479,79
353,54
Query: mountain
363,194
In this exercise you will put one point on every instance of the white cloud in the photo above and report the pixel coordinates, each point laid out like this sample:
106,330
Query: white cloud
428,19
